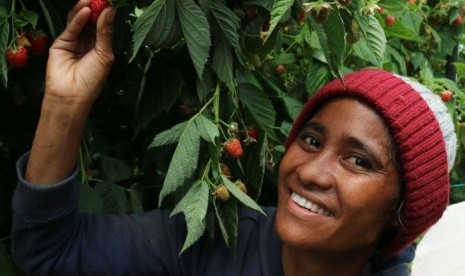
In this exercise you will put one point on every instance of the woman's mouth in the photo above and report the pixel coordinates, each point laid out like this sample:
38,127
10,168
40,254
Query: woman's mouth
311,206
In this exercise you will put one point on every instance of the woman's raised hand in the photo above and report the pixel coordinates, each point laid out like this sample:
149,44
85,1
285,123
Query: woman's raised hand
80,58
78,65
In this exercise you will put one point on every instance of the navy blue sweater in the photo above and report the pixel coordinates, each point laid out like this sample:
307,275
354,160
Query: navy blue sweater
51,237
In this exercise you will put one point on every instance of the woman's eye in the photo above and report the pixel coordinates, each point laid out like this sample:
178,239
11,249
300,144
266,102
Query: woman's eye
312,141
359,162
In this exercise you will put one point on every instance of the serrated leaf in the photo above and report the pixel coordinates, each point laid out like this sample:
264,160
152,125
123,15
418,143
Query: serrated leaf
374,38
159,90
26,17
259,106
157,26
4,33
194,205
398,58
196,31
228,22
169,136
394,5
113,198
89,200
280,8
226,213
399,30
331,36
115,169
293,106
223,64
241,196
318,74
207,129
204,85
184,161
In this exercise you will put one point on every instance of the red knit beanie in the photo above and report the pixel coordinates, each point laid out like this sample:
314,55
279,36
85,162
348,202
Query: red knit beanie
424,135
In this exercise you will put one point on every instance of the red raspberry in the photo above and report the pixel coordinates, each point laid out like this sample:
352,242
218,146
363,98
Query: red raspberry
233,147
16,57
253,133
97,6
446,95
38,42
390,20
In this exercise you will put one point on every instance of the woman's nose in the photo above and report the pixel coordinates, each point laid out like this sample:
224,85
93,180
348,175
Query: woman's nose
318,171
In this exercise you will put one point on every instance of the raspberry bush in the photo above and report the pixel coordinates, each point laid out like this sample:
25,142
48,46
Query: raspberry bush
191,75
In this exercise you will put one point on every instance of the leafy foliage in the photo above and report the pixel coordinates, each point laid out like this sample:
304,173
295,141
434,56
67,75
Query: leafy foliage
189,75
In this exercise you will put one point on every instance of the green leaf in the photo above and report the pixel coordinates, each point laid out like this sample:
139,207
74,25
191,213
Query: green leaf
398,58
318,74
169,136
226,213
196,31
460,67
26,17
373,37
259,106
207,129
159,90
135,203
394,5
194,205
241,196
293,106
223,64
255,163
4,34
115,169
280,8
204,85
399,30
331,36
89,200
48,18
157,26
113,198
184,161
6,263
228,22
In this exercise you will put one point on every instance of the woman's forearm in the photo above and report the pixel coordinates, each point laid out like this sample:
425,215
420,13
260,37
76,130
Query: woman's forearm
56,143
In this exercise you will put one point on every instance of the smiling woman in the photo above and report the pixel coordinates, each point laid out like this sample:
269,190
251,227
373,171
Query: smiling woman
365,173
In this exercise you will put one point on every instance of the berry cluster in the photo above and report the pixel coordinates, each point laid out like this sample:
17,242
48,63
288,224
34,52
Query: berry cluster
32,42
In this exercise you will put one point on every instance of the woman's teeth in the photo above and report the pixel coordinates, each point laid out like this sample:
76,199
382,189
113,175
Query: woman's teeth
310,205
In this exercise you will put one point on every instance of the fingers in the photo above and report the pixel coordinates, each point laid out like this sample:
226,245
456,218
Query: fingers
76,25
81,4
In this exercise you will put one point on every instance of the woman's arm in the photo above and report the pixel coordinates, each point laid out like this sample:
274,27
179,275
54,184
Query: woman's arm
79,62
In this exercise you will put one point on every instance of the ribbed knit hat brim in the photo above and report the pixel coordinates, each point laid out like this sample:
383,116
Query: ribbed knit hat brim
419,141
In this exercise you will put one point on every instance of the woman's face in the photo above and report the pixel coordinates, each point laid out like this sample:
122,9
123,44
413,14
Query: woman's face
338,185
